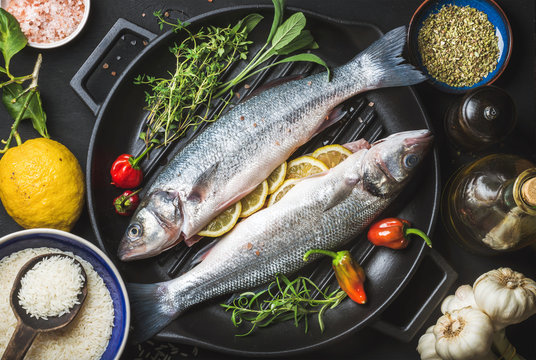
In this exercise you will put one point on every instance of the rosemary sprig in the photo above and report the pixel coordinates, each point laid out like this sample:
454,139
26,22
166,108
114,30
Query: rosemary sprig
283,300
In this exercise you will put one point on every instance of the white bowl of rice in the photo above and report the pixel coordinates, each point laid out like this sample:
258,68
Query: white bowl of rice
49,23
100,329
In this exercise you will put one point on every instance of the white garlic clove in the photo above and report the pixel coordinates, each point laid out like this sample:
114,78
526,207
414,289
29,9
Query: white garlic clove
462,298
506,296
464,334
426,346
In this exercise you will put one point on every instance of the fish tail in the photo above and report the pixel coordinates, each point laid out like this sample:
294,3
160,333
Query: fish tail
383,61
152,309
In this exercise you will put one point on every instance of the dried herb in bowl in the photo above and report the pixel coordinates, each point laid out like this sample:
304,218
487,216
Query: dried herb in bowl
458,45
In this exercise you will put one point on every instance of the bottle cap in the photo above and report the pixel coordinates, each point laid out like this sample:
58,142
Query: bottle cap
528,192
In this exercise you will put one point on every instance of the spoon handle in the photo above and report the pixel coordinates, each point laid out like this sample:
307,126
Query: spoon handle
20,342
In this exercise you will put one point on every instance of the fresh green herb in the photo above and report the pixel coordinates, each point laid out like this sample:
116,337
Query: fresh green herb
201,58
183,101
283,300
283,39
458,45
20,103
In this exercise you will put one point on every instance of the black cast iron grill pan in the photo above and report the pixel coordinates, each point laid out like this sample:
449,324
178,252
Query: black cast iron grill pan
379,113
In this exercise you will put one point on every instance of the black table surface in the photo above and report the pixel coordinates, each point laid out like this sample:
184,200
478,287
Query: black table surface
71,123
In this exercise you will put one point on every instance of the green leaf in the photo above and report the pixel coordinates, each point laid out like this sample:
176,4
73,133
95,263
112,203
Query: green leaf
279,6
12,40
34,112
288,31
303,41
248,23
305,57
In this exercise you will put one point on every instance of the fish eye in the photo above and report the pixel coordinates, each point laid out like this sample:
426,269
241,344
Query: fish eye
411,160
134,231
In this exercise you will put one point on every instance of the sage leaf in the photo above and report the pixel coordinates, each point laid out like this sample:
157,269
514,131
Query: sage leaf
288,31
12,39
303,41
34,112
279,6
248,23
305,57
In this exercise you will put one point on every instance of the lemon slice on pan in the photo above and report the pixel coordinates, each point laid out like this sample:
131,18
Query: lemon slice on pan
304,166
223,222
332,155
254,201
276,178
283,189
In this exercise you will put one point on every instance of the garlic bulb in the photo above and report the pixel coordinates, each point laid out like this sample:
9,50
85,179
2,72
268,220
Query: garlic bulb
462,298
506,296
426,346
464,334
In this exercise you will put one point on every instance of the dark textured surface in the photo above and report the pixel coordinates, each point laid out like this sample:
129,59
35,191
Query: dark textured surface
71,122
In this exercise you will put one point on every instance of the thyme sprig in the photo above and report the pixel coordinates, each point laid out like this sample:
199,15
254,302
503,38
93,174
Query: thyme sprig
283,300
201,59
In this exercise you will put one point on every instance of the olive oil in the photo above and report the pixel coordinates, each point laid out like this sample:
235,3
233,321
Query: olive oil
489,205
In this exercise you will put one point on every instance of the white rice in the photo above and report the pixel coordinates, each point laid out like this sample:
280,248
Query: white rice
85,338
51,287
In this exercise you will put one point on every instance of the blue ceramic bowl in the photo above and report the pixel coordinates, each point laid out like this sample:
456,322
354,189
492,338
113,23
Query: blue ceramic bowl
495,15
65,241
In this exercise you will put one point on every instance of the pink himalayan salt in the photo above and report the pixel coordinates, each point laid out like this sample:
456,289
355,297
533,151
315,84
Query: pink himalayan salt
47,21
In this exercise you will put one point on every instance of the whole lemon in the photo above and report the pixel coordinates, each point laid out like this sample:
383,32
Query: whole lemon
42,185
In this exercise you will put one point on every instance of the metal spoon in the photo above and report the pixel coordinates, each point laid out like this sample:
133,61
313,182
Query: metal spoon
27,326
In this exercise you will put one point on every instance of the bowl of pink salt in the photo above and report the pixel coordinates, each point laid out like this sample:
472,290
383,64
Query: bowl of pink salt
49,23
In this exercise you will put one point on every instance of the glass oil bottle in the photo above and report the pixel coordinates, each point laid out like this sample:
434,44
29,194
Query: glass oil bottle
489,205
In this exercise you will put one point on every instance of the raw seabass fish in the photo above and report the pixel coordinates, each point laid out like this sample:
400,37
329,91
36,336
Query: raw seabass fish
235,154
320,212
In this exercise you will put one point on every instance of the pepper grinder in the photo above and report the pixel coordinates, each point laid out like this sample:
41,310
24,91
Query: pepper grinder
483,117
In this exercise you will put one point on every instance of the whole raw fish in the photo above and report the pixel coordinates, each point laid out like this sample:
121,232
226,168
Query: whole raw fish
235,154
324,211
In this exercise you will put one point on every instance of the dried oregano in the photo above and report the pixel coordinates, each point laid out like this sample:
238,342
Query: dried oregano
458,45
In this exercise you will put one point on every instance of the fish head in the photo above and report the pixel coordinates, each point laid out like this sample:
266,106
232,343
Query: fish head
391,161
155,226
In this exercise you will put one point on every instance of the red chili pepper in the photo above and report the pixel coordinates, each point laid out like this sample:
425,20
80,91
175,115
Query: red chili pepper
125,172
348,272
127,202
393,233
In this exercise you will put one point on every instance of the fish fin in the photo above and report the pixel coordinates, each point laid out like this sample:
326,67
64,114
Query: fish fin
199,189
192,240
385,56
151,310
202,254
342,194
336,114
355,146
224,205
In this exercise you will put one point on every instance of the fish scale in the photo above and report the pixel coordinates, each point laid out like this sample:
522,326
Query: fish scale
323,211
239,151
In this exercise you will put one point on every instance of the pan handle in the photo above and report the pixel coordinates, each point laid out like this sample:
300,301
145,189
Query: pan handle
79,80
407,331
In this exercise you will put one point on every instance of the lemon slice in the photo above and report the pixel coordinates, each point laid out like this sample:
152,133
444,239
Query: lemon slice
332,155
223,222
276,178
304,166
254,201
283,189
